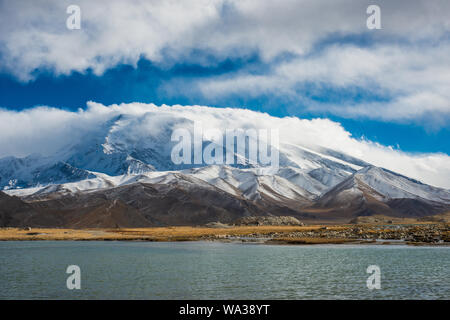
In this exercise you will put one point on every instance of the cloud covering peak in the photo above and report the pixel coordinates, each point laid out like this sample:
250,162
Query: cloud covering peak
47,130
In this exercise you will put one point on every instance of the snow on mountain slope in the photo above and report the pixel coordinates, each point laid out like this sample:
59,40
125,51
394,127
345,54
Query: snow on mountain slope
393,186
380,185
306,158
133,145
245,183
250,183
128,148
35,170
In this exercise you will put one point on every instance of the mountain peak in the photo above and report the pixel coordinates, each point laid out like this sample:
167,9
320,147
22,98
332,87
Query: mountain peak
130,149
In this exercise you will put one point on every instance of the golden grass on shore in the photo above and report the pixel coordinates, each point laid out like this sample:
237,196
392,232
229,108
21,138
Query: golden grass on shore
57,234
201,232
148,234
314,234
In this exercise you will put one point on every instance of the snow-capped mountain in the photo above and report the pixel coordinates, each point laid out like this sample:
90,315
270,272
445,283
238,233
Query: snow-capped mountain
125,151
373,190
121,147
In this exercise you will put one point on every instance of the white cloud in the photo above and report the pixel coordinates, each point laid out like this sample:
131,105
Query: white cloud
34,33
46,130
407,61
415,79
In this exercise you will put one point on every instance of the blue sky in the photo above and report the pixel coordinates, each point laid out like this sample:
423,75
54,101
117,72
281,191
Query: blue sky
125,84
290,58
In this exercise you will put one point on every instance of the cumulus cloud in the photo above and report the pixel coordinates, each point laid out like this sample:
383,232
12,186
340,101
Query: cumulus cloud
34,33
414,79
405,63
47,130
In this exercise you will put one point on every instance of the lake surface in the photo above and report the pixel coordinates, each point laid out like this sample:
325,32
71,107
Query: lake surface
213,270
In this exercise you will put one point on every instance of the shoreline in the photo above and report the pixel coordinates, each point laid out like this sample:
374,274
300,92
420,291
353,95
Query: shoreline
406,234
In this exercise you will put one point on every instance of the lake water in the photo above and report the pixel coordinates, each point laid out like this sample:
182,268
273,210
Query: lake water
212,270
